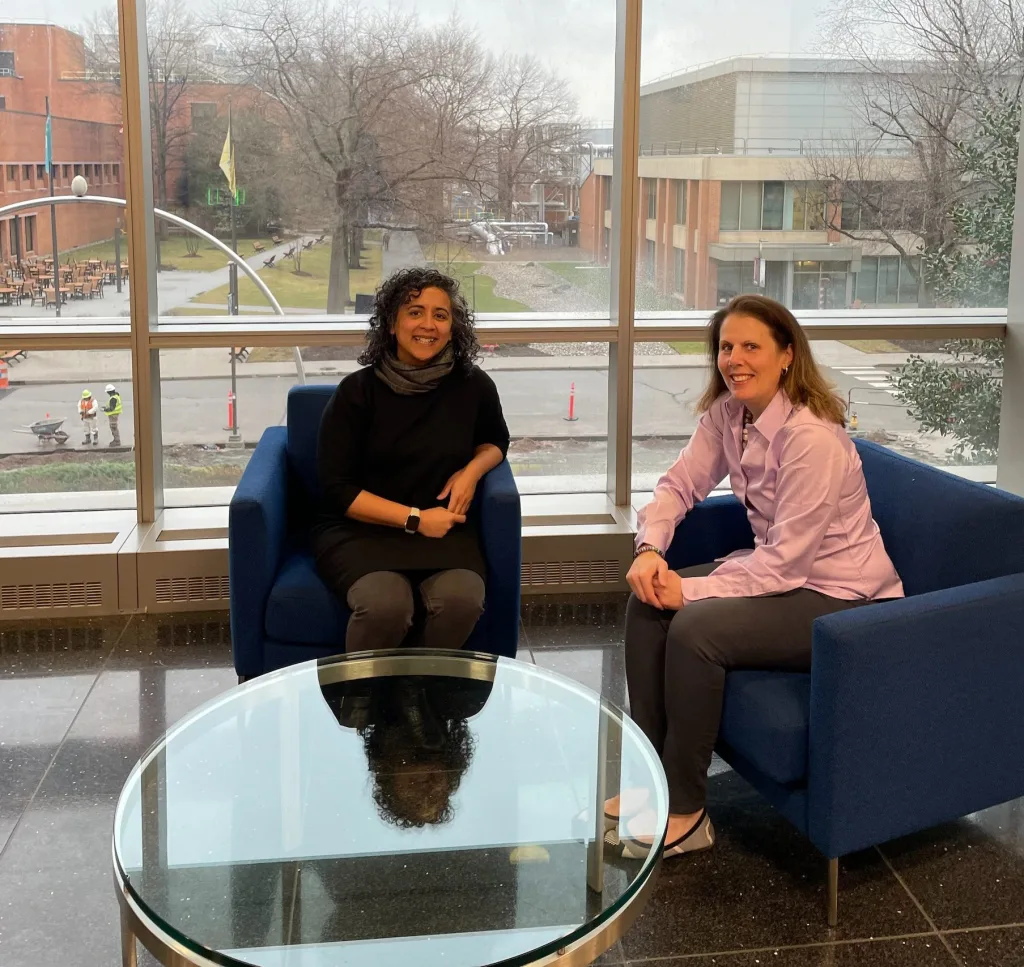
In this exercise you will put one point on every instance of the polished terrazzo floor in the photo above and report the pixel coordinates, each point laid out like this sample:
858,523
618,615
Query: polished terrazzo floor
81,701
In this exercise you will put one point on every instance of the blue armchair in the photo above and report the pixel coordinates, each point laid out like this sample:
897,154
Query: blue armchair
910,715
281,612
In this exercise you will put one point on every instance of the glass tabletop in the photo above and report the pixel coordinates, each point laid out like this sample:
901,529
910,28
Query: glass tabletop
389,808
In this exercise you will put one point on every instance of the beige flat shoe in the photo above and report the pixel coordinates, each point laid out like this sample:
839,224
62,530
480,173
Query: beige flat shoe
631,802
700,837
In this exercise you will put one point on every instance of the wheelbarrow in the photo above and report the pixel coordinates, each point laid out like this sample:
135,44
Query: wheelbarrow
47,431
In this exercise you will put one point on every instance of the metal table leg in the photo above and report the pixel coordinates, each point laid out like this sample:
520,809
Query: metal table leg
609,750
129,949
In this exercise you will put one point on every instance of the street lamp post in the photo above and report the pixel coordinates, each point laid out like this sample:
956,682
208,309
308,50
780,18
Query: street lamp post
53,213
117,253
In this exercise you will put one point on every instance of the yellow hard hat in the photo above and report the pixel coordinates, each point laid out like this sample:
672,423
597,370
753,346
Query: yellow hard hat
86,394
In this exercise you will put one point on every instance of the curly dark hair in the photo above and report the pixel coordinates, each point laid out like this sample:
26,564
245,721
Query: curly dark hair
395,291
391,754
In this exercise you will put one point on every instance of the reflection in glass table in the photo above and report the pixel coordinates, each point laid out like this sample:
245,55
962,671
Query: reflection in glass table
386,809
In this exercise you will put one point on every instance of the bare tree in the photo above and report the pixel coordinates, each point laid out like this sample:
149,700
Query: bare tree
918,73
533,125
174,44
379,111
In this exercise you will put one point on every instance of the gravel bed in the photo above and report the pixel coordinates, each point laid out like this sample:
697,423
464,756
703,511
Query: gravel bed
546,291
540,288
599,348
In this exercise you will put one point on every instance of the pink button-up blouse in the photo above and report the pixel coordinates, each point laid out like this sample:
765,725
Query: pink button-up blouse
801,480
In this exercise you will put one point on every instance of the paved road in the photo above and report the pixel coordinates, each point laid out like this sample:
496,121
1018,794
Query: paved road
535,404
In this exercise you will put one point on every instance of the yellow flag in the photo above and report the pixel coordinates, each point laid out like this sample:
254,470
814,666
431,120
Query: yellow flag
227,160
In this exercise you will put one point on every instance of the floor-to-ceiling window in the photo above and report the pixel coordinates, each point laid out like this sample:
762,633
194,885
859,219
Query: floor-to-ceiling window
494,161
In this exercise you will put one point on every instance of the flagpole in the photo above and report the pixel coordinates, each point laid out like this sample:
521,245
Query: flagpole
235,438
53,209
233,203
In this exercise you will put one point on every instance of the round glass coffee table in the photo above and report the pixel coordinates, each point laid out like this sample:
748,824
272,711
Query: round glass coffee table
386,809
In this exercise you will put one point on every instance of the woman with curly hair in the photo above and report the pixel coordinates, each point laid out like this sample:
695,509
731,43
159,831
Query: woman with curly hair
417,737
403,444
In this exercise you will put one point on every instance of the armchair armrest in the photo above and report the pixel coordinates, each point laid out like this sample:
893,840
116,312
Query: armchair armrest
915,713
257,524
715,527
501,534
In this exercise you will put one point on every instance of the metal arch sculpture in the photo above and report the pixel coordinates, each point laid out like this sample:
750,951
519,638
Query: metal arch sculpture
31,203
160,213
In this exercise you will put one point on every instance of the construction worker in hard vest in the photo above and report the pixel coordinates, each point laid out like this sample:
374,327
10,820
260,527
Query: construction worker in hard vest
89,411
113,411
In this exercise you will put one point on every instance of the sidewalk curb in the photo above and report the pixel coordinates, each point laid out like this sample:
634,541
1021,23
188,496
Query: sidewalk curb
344,367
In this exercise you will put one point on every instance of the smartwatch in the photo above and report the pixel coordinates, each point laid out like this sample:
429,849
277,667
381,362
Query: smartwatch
412,523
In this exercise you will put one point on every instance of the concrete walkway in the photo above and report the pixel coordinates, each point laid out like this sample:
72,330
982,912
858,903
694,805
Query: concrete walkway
179,288
403,252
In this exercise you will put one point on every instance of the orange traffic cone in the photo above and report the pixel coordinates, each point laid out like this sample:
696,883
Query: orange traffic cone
3,374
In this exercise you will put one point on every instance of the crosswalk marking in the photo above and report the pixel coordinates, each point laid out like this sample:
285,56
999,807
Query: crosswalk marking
875,378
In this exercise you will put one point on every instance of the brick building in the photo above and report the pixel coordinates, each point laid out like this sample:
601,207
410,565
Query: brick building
40,60
728,200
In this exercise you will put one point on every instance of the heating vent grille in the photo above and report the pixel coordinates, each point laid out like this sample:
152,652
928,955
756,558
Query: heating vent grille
194,634
538,573
51,639
45,597
212,587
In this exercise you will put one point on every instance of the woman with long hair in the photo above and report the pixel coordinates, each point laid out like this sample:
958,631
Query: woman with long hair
403,444
772,424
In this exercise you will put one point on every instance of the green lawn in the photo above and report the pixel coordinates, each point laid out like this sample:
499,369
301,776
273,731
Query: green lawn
68,477
689,348
172,253
479,289
307,291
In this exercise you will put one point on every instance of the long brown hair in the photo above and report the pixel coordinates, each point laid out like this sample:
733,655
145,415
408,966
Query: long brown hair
803,382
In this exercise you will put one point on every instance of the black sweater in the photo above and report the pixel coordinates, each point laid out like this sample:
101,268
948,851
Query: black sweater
401,448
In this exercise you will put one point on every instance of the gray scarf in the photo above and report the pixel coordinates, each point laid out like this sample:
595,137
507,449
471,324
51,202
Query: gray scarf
407,379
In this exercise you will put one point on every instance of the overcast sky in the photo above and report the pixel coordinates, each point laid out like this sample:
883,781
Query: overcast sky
578,36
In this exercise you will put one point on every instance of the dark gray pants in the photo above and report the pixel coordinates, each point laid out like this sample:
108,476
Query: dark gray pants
383,608
676,662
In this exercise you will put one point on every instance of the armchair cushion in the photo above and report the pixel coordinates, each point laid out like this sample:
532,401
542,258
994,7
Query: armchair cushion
940,530
301,609
306,405
765,717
